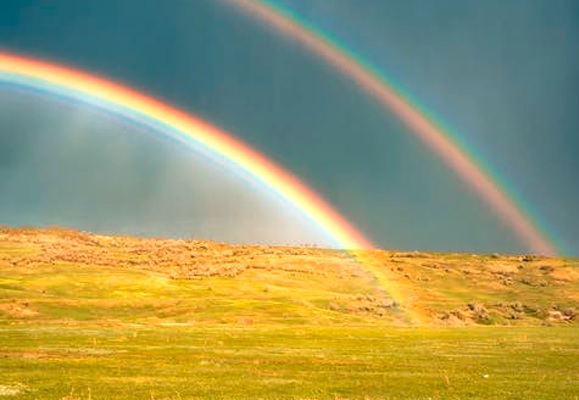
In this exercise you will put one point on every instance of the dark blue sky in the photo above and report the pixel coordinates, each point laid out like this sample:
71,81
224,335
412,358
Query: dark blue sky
503,74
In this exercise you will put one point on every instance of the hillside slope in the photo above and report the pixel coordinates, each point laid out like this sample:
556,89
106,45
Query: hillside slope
55,274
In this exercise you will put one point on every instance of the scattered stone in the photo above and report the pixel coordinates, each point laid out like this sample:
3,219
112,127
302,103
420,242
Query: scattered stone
506,281
518,307
561,316
556,316
570,313
387,303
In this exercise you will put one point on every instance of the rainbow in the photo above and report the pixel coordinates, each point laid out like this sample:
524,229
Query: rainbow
71,83
176,124
425,126
74,84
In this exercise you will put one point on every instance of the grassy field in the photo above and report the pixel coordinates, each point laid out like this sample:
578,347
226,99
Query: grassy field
96,317
289,362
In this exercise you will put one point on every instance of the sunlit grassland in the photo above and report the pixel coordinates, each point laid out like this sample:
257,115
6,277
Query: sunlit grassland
102,318
290,362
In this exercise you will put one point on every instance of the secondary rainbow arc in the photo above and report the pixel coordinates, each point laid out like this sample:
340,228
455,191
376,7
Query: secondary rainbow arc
392,99
67,81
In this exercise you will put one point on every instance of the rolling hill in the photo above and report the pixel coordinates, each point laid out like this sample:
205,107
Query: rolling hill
95,316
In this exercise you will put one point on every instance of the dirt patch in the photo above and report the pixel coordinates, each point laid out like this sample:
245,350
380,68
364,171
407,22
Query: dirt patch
18,309
12,390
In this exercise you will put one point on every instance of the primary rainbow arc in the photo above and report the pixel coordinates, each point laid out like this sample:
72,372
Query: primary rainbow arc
73,83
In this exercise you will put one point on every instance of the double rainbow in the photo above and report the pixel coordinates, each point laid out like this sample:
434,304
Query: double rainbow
70,83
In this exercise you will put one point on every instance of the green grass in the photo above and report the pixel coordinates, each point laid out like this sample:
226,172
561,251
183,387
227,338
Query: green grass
290,324
289,362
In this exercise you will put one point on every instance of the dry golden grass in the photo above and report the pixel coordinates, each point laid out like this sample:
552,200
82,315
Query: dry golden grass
442,289
90,316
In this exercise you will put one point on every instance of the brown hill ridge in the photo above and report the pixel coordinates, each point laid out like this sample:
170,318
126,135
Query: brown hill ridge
441,289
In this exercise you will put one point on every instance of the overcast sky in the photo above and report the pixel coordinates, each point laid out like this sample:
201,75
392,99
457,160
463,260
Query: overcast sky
503,74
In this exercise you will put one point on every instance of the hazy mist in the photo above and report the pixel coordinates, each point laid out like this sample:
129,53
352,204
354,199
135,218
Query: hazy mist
73,165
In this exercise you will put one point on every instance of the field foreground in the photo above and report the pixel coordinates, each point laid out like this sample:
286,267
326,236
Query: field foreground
96,317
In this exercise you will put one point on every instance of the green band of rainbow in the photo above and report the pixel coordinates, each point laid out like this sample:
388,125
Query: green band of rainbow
433,134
